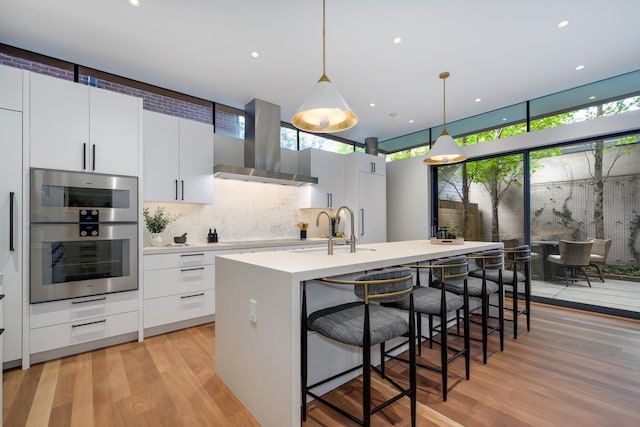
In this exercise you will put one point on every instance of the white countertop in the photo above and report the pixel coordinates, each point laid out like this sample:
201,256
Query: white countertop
313,263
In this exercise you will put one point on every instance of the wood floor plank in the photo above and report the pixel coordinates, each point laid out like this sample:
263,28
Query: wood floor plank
573,369
18,412
43,398
82,409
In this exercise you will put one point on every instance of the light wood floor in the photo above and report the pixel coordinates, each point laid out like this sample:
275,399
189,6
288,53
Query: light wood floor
572,369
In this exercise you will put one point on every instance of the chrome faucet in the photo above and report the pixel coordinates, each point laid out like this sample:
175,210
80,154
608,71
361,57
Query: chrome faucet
352,239
330,241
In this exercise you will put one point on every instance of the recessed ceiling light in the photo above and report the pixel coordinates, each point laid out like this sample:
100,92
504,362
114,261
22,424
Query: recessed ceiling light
134,3
478,100
255,54
373,104
410,121
563,24
580,67
504,119
592,97
397,40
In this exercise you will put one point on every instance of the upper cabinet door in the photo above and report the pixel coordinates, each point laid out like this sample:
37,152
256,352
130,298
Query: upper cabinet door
81,128
328,167
11,88
196,162
114,132
161,153
58,123
371,164
178,159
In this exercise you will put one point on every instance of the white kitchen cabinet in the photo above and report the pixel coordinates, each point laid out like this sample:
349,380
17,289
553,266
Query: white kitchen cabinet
82,128
178,159
11,210
11,88
178,287
328,167
370,164
366,195
1,333
59,324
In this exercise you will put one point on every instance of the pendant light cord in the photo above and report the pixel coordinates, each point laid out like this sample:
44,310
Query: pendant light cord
324,43
443,76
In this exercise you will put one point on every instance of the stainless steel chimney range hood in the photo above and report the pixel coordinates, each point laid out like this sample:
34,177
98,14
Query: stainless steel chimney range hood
262,149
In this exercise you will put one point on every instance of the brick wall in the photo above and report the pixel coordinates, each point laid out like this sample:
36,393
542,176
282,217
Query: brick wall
151,101
36,67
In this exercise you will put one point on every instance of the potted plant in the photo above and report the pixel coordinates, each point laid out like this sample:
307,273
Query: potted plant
156,223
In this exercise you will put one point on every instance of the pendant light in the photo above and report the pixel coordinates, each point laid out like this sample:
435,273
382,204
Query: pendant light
445,150
324,110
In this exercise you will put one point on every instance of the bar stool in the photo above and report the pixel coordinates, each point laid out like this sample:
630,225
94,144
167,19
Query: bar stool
488,263
518,263
364,324
437,302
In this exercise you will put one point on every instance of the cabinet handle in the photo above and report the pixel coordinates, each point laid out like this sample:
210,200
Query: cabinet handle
182,181
93,157
373,167
11,197
89,300
362,222
84,156
198,254
191,296
176,189
89,323
192,269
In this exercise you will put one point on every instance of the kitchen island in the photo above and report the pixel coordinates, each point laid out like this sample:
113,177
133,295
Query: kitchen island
258,300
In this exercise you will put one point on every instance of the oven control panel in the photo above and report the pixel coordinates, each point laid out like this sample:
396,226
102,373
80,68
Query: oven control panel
89,215
89,230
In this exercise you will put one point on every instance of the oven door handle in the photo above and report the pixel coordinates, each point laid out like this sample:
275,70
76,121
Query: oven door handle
89,300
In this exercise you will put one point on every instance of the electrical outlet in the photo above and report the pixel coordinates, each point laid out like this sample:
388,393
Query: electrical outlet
253,308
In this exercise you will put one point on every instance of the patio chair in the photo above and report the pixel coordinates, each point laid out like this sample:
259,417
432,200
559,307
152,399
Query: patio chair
573,257
599,254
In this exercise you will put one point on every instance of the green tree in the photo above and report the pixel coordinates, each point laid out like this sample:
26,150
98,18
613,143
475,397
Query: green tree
618,148
497,175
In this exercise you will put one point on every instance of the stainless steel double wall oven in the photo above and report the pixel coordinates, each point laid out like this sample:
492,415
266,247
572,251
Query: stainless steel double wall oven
84,234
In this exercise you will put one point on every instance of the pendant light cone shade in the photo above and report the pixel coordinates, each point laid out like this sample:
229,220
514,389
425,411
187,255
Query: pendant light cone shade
324,110
445,150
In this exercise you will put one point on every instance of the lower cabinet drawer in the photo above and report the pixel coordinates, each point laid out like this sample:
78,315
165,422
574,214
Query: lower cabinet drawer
171,281
66,334
175,308
77,309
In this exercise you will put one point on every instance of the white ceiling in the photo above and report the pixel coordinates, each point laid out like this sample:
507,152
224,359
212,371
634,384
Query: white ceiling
502,51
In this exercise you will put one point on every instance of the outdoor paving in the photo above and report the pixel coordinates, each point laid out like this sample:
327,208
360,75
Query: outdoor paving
612,293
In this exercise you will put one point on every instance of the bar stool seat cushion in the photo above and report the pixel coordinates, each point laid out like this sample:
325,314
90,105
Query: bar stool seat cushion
426,300
345,323
474,285
492,274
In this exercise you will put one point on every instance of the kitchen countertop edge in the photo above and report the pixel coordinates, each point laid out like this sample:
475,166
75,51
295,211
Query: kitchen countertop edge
231,246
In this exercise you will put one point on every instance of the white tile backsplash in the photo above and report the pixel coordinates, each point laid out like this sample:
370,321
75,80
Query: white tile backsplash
242,210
